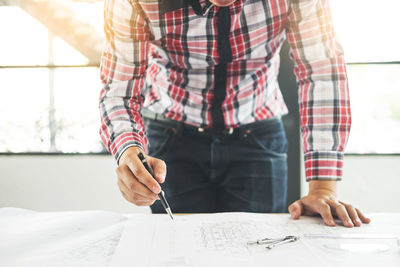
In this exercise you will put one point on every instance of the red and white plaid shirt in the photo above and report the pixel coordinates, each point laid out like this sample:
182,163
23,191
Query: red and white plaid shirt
163,58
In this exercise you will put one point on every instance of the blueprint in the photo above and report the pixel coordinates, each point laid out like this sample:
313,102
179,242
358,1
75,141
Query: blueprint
221,240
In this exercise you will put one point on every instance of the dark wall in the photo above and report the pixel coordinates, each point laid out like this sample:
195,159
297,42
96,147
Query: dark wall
287,83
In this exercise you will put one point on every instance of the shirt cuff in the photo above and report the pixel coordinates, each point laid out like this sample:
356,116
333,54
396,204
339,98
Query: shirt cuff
324,165
124,141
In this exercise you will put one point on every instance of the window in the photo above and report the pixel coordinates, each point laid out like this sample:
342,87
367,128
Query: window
368,32
49,89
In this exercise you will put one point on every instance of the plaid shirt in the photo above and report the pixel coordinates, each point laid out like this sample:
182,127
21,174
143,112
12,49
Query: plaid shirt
161,54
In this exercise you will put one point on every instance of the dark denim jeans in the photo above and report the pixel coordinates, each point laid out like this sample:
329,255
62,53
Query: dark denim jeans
245,171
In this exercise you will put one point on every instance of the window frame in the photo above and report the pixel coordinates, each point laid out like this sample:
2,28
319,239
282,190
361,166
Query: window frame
52,130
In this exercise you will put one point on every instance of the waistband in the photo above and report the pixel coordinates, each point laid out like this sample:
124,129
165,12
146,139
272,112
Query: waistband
179,127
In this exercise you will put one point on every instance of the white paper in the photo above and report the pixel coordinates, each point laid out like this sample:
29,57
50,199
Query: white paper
221,240
75,238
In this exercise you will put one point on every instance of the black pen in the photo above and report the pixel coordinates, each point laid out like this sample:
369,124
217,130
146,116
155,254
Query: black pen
161,195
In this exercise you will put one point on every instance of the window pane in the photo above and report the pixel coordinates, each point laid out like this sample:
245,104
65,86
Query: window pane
31,47
77,114
64,54
24,105
375,100
25,39
25,110
368,29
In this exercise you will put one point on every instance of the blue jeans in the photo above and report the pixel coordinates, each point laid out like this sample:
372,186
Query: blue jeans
244,171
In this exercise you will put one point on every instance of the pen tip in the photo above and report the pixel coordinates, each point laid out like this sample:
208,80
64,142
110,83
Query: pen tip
170,213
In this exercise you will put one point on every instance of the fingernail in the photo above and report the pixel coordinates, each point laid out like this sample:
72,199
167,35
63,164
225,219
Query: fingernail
156,189
162,177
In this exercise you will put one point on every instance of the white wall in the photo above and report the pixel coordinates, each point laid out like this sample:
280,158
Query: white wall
49,183
371,183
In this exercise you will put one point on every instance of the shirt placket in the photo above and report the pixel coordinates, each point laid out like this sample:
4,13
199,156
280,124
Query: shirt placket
220,71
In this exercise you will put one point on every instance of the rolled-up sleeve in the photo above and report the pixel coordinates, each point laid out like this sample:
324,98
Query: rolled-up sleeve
122,70
324,104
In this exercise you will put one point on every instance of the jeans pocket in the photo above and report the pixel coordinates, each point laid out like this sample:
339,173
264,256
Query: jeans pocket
274,144
160,139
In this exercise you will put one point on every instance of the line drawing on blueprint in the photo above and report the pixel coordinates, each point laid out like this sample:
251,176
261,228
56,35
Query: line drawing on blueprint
221,239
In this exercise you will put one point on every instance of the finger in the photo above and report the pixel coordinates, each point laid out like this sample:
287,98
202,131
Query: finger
311,206
341,212
141,174
137,199
134,198
142,201
363,218
132,185
351,211
325,211
296,209
159,167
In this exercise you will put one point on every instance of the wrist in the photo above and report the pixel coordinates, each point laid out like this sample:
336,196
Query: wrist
129,152
322,186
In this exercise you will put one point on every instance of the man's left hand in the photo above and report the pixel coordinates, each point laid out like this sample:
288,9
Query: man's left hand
322,200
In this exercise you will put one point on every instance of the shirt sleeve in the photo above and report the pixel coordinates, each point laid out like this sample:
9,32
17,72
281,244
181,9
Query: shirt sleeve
324,104
122,71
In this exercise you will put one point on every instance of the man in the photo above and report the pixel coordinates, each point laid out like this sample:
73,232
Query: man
198,79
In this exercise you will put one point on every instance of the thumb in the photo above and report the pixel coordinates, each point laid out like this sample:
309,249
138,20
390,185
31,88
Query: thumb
159,168
296,209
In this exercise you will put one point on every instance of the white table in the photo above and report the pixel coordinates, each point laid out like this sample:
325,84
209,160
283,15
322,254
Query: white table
77,238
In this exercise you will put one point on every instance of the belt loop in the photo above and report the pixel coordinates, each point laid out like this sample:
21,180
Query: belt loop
178,129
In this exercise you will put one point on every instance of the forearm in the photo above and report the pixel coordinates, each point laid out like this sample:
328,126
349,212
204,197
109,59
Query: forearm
123,68
324,104
121,125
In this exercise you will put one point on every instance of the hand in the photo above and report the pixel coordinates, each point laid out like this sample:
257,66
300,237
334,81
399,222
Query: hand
135,182
322,200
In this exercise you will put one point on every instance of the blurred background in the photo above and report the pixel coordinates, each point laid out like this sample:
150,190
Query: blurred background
51,156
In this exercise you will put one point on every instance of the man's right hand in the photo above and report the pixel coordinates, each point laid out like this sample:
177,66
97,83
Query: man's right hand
135,182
